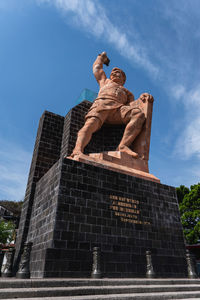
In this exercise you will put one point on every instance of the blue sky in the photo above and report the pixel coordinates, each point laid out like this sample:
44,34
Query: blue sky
47,48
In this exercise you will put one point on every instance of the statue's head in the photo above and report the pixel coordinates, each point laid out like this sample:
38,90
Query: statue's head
118,76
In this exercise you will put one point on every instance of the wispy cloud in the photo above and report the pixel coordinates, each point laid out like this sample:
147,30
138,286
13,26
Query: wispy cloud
14,166
188,143
90,15
182,67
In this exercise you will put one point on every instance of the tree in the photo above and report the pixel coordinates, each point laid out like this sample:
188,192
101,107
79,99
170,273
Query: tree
181,192
14,206
190,213
6,231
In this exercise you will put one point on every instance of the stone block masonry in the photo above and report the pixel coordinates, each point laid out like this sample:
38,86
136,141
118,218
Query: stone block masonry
78,206
46,153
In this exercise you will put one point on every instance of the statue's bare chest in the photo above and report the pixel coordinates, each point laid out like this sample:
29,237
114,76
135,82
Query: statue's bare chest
117,92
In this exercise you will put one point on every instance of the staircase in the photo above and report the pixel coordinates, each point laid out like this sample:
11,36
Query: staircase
99,289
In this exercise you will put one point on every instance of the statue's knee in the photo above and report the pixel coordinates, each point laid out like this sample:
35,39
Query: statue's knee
140,120
139,115
142,116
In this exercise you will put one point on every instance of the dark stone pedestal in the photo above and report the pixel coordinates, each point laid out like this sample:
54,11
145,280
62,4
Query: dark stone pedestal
78,206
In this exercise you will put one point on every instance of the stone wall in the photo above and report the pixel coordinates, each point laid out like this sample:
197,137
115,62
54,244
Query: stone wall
123,215
46,153
43,218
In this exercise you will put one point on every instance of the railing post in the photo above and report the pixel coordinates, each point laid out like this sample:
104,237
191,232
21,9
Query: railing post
1,259
150,272
96,267
24,268
191,265
7,269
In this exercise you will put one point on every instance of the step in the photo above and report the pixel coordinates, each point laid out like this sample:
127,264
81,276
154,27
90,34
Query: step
95,290
143,296
60,282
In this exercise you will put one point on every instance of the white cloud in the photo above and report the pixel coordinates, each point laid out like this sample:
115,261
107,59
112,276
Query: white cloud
188,143
178,91
91,16
14,167
183,86
193,99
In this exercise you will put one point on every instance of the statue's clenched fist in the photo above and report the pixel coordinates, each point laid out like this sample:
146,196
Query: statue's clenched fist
105,58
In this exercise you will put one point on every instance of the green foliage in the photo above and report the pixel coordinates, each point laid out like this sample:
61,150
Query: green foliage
190,213
14,206
7,230
181,192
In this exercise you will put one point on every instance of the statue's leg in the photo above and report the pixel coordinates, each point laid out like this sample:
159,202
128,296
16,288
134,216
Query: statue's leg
91,125
133,128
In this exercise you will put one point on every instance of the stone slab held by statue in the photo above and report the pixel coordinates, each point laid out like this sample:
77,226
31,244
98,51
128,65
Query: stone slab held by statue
116,105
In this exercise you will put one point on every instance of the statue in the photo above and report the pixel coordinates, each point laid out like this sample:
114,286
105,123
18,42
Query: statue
113,105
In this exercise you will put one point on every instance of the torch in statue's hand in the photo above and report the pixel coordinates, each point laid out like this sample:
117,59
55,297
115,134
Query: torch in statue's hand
106,60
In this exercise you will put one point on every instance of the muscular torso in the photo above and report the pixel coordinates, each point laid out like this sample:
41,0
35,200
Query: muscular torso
113,91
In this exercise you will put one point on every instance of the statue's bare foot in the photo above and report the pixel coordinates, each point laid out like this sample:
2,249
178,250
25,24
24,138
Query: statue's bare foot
76,152
128,151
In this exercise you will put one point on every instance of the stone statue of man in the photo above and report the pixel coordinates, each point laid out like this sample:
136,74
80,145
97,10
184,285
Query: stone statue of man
113,105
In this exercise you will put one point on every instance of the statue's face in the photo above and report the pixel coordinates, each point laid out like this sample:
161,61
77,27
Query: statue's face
117,76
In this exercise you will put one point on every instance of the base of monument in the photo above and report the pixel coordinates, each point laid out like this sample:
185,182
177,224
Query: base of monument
79,206
118,161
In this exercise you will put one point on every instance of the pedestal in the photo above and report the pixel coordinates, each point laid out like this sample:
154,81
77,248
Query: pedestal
78,206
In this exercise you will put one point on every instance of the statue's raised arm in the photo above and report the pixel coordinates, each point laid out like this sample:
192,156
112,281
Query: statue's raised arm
98,68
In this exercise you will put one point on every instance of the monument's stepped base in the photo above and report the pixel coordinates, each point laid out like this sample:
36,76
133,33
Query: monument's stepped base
101,289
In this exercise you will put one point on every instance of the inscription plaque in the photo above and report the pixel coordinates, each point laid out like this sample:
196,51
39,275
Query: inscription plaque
127,209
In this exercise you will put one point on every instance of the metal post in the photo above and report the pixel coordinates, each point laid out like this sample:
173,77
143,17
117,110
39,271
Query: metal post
191,265
24,269
150,272
1,259
96,268
7,269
